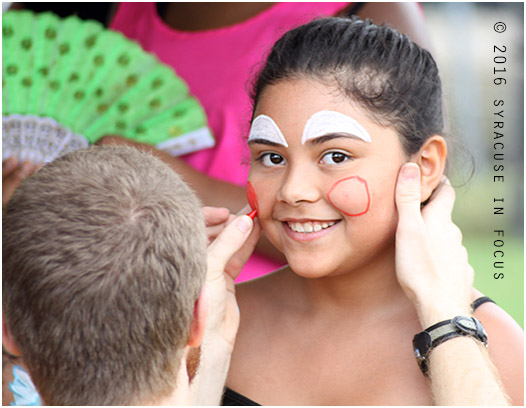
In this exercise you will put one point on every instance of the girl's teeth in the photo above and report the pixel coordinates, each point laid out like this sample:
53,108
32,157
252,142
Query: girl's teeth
309,226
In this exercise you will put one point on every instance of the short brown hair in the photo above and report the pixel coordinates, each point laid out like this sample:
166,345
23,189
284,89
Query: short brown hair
104,256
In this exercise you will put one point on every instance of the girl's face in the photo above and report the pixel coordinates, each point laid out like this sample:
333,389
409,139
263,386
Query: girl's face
324,175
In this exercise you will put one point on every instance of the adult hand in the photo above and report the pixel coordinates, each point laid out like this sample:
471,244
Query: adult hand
431,263
233,242
432,267
12,175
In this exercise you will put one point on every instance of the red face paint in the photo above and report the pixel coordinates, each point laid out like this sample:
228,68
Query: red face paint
252,200
350,196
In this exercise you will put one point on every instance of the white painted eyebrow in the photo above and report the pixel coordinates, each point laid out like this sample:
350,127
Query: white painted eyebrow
327,122
263,127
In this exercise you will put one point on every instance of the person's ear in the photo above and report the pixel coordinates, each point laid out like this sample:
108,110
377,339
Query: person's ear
431,158
197,328
7,340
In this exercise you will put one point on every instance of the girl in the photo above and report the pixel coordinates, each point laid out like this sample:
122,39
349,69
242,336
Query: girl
339,107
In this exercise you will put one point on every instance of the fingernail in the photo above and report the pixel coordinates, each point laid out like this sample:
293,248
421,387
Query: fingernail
252,214
243,223
410,171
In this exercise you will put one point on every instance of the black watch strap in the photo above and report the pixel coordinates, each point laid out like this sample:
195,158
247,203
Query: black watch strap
424,342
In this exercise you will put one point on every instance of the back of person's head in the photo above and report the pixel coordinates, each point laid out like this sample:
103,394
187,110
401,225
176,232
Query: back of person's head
392,79
104,256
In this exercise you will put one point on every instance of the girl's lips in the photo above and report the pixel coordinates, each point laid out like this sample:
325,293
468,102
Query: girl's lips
308,236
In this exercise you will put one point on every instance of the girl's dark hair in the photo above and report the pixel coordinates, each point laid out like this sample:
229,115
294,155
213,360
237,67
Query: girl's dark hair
394,80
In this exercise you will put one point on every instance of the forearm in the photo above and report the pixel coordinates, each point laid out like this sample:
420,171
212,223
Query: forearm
462,373
460,369
211,192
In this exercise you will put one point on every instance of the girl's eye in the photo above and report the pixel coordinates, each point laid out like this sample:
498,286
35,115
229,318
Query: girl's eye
271,159
334,158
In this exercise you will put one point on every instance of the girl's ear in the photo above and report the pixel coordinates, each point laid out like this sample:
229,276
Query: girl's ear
432,160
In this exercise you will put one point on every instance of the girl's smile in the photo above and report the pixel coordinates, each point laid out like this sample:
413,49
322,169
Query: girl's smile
303,231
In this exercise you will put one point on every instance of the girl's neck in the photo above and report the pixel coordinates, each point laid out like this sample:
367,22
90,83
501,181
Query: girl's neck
366,290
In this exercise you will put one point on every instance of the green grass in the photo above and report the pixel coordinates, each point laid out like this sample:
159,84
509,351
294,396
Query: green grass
509,291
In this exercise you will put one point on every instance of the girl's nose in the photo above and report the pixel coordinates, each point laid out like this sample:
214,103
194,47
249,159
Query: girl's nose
299,185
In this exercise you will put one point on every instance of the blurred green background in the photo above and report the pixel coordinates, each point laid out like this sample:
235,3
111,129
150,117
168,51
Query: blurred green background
463,38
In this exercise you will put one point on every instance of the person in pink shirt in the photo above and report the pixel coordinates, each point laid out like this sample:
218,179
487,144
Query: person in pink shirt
217,48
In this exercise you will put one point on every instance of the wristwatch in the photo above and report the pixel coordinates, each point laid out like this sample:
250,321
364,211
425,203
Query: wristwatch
437,334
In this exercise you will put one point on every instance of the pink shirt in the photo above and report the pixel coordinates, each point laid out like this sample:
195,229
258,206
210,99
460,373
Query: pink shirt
218,66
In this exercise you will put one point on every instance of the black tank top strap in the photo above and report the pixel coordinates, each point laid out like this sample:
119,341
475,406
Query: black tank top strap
479,301
230,397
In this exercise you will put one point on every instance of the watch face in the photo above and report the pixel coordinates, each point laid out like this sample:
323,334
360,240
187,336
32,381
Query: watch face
471,326
465,324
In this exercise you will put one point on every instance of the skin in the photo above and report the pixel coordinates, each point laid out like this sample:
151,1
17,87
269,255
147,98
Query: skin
285,194
303,366
336,325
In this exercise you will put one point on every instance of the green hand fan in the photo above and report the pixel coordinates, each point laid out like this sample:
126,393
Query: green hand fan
68,82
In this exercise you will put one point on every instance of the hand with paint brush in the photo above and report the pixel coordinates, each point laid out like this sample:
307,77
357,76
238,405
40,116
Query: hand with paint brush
232,240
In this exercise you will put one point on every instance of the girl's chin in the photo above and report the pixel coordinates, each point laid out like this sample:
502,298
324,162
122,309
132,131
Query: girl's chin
311,268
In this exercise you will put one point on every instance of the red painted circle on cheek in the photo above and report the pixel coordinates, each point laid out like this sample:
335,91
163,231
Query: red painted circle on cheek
251,197
350,196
